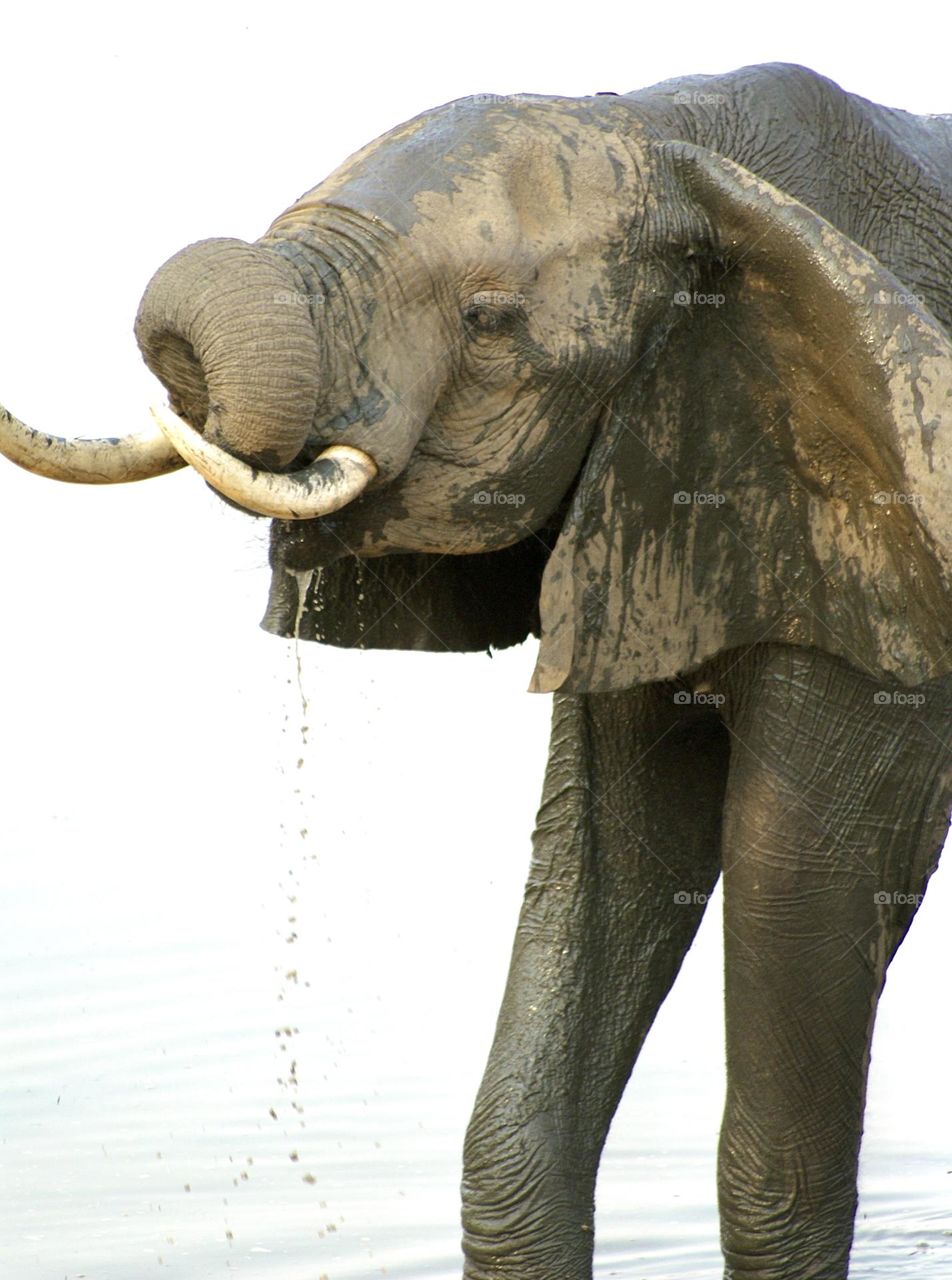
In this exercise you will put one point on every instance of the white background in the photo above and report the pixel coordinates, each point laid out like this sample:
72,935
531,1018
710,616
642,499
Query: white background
149,733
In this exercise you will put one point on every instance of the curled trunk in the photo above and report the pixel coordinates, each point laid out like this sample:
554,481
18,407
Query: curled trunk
226,327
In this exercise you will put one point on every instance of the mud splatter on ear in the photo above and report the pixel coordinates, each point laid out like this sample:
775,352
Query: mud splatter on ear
782,470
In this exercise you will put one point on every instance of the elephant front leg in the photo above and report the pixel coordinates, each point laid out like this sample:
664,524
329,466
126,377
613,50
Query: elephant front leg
836,809
623,863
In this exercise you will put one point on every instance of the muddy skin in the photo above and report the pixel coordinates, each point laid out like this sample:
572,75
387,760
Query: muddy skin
665,379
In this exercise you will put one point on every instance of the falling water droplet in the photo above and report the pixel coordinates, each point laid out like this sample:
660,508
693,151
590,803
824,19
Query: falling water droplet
304,582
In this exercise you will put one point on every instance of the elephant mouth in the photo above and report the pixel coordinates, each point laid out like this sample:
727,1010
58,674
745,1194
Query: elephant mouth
338,475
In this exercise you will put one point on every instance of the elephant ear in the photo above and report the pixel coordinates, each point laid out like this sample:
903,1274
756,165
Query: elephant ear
414,601
777,469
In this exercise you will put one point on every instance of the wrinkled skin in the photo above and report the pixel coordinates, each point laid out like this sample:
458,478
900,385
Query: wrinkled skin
664,379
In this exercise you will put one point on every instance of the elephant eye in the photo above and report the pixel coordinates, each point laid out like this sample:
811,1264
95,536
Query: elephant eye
485,318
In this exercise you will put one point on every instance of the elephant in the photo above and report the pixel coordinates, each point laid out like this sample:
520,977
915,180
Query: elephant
660,379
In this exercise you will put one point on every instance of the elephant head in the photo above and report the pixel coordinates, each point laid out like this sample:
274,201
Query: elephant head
524,366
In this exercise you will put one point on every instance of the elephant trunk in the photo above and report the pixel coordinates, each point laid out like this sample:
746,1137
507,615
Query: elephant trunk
225,326
222,325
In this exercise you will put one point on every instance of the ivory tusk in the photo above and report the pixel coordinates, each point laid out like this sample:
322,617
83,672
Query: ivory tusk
335,478
117,460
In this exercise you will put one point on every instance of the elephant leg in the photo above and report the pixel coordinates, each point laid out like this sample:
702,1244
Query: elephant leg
626,852
836,809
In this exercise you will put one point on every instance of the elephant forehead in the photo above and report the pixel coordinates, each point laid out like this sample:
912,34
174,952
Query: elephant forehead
550,198
472,159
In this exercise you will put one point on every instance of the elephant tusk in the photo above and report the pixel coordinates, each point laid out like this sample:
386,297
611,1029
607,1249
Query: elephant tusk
336,477
117,460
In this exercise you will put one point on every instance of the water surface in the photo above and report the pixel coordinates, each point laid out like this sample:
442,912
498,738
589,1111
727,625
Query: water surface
251,953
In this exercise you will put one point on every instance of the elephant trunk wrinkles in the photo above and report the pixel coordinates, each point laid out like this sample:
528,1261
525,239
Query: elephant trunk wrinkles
225,326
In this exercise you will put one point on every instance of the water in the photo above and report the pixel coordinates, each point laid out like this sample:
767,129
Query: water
150,1124
249,976
268,1073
